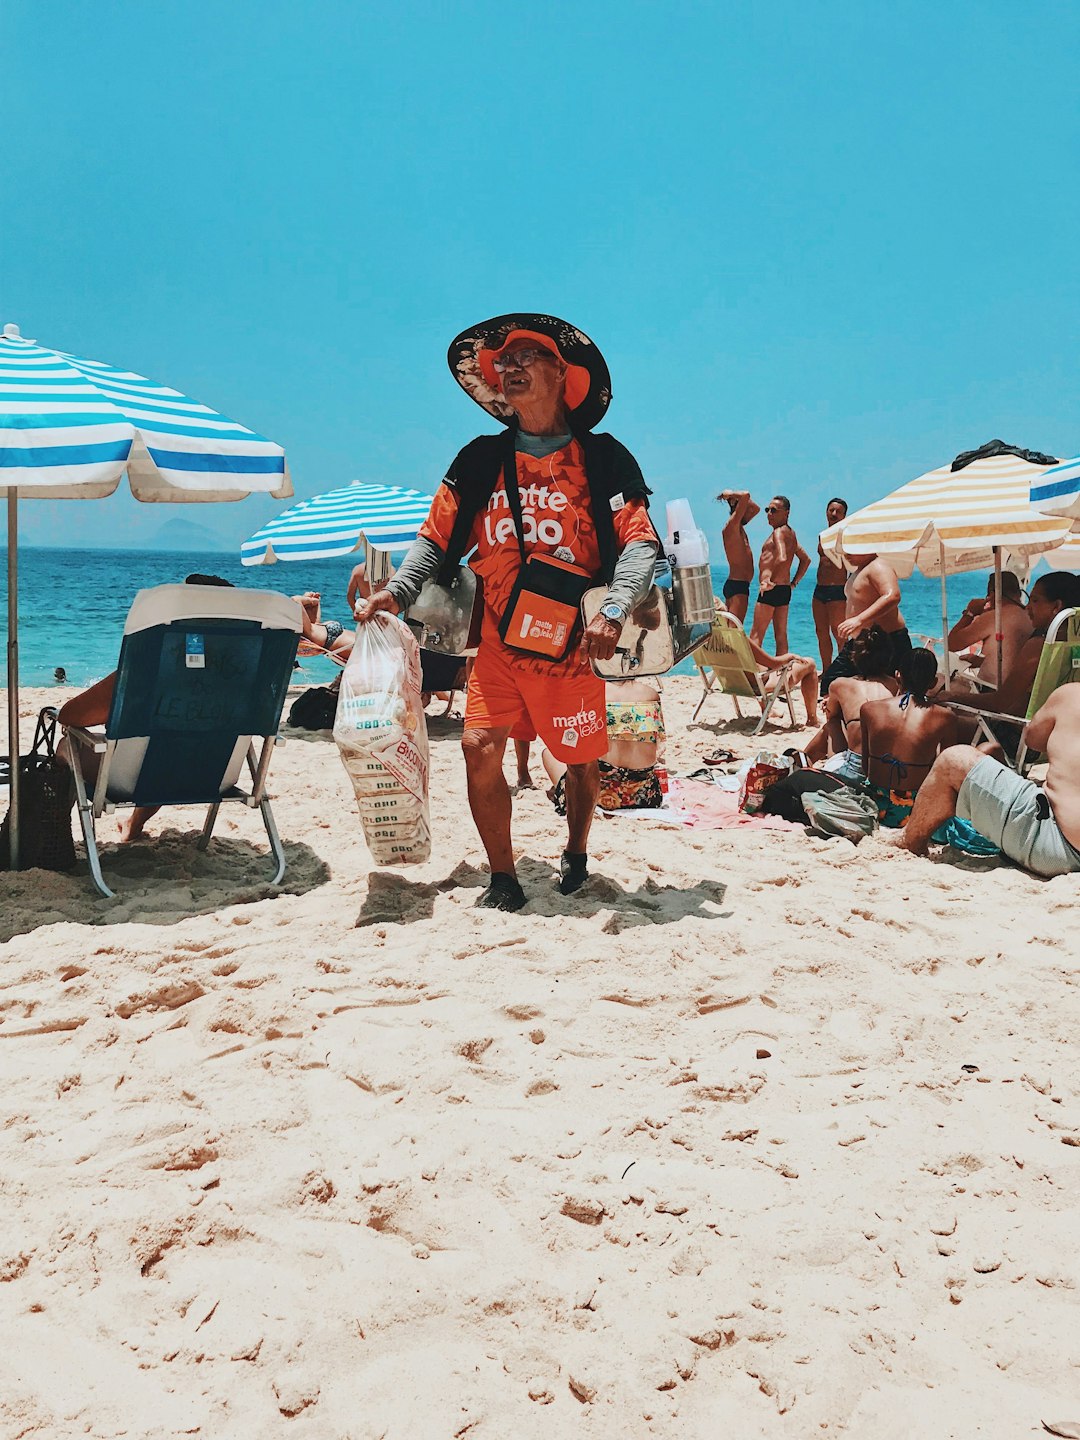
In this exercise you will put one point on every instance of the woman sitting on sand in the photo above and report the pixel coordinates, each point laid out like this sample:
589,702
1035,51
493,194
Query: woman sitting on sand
324,635
901,738
841,737
635,731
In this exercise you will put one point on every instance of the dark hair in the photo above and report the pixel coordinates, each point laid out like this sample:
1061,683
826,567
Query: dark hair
919,673
872,653
1010,585
208,580
836,500
784,501
1061,588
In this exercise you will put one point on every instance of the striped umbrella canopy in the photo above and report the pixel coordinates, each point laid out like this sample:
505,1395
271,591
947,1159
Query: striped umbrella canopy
70,429
948,521
338,523
1057,491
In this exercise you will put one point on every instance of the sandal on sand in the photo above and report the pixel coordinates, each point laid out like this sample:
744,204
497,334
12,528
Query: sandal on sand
719,756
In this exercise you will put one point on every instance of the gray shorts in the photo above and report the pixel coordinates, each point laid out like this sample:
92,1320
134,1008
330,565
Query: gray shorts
1014,814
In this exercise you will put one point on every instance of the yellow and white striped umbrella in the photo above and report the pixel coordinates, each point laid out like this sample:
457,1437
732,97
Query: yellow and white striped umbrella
955,516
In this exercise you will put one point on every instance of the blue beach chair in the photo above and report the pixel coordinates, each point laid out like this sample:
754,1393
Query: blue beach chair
203,675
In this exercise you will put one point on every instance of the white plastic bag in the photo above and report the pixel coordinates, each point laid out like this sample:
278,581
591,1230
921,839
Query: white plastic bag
381,735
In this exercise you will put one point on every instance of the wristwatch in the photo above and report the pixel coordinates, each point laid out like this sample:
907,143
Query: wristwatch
614,612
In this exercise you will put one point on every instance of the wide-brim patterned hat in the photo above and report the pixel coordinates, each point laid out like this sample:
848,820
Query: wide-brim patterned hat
588,384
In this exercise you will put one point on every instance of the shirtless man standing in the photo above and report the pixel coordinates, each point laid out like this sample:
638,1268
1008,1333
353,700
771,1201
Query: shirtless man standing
774,575
976,626
740,557
829,597
873,598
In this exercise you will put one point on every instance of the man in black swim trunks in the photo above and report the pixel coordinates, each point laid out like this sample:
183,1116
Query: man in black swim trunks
740,557
829,594
775,583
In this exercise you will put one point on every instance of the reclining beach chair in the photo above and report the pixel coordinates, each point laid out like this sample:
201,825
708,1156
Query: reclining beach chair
727,667
1059,664
203,674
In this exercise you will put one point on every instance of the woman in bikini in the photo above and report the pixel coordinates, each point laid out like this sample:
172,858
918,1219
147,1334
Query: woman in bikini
902,737
841,737
635,732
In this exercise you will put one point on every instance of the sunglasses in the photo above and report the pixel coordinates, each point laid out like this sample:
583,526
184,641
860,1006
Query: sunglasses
770,508
518,359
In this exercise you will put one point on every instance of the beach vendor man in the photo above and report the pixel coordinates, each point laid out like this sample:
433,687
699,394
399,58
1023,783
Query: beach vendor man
549,509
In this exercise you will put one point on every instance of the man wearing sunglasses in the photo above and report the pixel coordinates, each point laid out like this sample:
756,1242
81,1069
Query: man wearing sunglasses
547,510
774,576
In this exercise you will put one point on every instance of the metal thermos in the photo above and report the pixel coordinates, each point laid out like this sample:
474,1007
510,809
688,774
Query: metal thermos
691,586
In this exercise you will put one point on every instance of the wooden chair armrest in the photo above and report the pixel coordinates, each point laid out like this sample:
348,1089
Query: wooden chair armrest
89,739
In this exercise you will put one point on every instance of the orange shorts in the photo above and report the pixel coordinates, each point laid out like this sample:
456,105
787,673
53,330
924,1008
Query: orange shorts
563,704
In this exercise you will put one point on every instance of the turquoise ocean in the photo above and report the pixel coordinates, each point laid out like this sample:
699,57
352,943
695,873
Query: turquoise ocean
72,603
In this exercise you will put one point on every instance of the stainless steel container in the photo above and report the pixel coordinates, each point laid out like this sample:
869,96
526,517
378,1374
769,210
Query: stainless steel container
652,641
692,588
447,617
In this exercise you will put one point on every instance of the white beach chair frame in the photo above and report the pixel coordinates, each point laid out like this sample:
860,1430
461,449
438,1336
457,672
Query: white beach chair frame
765,697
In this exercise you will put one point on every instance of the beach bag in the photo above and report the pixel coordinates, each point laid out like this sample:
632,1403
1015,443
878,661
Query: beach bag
764,771
785,798
381,735
46,797
315,708
841,812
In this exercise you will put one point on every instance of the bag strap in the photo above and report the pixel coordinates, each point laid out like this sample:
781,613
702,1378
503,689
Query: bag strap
45,733
473,476
513,495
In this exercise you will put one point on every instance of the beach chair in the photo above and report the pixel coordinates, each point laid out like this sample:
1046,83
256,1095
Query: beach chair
727,667
1059,664
203,675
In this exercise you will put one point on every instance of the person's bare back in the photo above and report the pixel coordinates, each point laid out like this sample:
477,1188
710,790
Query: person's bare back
843,706
901,740
740,557
1055,730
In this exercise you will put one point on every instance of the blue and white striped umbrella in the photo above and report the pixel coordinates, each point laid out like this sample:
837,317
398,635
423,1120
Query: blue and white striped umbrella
70,428
1057,490
338,522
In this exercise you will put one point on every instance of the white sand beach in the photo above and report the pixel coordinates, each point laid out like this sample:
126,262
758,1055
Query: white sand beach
759,1134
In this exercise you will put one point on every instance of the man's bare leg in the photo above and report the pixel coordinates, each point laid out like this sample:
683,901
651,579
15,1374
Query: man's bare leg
521,756
779,629
738,606
824,631
582,788
936,801
763,615
489,801
131,826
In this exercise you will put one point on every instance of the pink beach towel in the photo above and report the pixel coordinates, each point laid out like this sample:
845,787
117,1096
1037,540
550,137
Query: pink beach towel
707,807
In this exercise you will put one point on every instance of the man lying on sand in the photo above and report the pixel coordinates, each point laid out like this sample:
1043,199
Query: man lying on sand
1038,828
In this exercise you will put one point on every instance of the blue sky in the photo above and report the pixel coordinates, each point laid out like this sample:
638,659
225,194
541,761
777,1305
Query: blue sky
823,247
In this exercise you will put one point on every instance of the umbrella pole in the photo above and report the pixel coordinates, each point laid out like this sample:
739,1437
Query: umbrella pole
944,612
13,671
997,610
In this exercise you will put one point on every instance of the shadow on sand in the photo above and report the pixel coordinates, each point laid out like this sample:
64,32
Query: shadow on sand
394,898
160,882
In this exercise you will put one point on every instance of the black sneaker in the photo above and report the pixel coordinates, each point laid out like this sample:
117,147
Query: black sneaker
573,872
502,893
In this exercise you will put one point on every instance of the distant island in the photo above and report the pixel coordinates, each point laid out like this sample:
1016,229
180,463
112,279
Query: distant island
189,535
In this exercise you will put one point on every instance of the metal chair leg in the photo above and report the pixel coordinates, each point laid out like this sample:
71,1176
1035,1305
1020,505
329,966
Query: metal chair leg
276,849
86,821
208,827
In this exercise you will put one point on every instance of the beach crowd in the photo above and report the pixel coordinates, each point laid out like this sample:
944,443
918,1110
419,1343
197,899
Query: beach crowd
549,508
